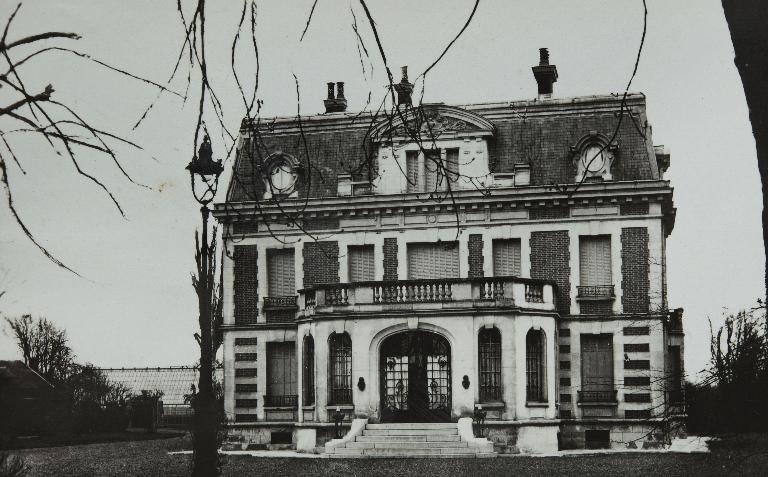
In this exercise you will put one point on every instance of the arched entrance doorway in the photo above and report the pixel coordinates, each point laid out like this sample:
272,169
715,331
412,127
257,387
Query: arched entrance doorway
415,374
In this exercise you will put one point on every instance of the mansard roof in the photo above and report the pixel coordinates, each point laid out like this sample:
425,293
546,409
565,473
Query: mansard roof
538,133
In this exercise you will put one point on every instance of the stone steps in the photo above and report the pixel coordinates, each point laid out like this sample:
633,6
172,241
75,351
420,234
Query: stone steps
410,440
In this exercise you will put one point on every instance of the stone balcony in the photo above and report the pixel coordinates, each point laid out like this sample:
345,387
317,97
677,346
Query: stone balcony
452,294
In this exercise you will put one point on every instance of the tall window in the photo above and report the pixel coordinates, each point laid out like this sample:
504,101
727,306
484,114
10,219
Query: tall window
489,346
281,374
340,369
595,261
308,371
280,272
535,366
506,257
433,260
597,368
432,171
361,263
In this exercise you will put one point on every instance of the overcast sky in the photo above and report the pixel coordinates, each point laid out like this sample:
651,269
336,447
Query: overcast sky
136,306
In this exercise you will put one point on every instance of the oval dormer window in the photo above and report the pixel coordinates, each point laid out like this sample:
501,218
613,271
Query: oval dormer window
282,177
593,159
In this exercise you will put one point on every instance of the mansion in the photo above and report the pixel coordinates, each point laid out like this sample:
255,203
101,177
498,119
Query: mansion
489,277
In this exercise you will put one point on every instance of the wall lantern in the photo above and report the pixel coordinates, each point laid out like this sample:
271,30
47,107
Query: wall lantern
465,382
361,384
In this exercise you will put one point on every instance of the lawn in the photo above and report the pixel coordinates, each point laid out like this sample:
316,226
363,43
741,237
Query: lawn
150,458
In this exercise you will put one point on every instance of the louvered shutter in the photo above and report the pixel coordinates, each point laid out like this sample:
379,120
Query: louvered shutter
432,165
452,165
595,261
506,257
412,171
433,260
597,362
280,270
361,264
281,369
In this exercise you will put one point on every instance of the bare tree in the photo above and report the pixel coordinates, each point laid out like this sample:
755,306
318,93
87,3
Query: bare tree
45,347
746,21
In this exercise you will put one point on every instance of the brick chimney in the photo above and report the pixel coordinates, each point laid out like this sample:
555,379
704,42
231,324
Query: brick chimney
545,74
404,89
336,102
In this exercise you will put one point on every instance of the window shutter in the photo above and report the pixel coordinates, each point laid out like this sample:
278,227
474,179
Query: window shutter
597,362
412,171
280,270
506,257
595,260
361,264
452,164
281,369
433,260
432,171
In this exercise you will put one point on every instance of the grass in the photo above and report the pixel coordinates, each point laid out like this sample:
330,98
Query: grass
95,438
735,456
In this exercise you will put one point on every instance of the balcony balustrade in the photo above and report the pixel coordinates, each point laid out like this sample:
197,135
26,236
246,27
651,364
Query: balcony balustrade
595,292
280,302
427,294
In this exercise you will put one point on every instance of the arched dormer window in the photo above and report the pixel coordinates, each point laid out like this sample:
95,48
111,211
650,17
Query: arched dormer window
339,369
535,366
489,357
432,149
593,157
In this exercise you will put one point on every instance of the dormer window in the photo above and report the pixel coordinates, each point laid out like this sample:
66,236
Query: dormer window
281,175
593,156
432,171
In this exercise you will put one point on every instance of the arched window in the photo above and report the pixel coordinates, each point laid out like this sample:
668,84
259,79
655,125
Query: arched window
535,366
489,346
308,374
339,369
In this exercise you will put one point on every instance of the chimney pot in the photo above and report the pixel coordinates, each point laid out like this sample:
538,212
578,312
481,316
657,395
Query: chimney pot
331,94
404,89
340,90
336,103
545,74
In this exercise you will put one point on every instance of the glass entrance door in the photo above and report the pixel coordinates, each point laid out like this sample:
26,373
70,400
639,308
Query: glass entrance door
415,371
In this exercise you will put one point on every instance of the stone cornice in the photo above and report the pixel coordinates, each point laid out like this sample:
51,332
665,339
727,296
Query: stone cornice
587,194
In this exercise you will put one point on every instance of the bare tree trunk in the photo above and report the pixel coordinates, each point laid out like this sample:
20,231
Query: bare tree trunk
748,23
206,458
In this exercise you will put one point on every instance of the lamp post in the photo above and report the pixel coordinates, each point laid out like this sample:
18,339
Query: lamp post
203,170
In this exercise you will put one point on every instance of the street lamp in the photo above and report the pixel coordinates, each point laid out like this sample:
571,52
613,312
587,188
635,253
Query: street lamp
207,172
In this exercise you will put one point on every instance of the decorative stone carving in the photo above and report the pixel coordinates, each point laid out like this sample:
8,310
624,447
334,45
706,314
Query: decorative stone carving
593,157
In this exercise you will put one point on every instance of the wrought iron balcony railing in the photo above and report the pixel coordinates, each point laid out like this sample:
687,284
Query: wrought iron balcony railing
280,302
595,292
608,396
281,400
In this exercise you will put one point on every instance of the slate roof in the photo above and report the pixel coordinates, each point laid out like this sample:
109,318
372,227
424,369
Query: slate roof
536,132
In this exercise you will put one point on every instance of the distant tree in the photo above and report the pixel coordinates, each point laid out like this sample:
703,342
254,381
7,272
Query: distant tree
97,404
45,347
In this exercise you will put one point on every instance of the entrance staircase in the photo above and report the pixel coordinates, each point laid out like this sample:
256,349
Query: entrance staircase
412,440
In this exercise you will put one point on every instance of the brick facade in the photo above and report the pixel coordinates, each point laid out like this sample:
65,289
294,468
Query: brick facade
635,283
390,259
634,209
551,260
246,295
475,257
321,263
595,307
326,223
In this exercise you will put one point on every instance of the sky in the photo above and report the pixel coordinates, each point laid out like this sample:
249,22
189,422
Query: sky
135,305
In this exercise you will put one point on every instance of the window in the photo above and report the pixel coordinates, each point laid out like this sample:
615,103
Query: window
506,257
675,370
595,280
535,362
361,263
308,371
595,260
339,369
281,374
597,368
433,260
432,171
489,346
280,272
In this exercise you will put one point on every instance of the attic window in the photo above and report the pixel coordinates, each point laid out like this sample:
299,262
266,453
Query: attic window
593,157
281,175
